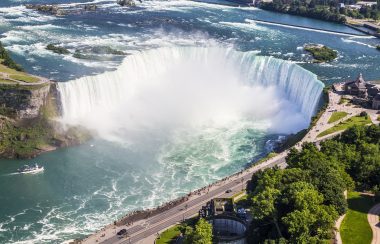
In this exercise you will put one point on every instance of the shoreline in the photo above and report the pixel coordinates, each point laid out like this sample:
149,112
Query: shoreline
138,215
179,209
306,27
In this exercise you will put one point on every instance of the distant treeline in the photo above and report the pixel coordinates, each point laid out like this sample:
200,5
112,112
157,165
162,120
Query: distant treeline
305,8
6,60
322,9
301,203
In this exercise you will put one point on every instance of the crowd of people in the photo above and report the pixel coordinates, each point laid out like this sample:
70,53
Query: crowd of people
147,213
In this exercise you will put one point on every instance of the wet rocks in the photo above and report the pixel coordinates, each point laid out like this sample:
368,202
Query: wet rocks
127,3
59,10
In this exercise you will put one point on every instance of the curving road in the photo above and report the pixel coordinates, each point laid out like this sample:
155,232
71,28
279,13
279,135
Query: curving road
150,226
373,220
144,231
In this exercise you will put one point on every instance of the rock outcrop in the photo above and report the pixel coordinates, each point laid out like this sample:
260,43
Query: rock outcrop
23,102
61,10
28,124
128,3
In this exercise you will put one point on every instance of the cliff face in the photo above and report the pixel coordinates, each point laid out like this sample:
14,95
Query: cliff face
23,102
28,123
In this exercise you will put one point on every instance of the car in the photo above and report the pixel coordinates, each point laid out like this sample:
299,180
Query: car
122,232
229,191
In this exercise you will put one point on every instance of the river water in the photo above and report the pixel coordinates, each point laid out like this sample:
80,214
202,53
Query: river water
200,93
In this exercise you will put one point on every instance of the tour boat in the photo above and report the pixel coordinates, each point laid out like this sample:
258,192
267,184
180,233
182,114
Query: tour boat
26,169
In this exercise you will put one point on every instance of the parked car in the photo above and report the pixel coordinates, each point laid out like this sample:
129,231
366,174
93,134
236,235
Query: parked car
122,232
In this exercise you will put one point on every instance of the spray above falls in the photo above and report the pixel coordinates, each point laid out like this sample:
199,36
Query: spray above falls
190,87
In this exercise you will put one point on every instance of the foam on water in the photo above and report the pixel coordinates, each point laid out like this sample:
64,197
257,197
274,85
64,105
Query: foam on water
184,154
125,89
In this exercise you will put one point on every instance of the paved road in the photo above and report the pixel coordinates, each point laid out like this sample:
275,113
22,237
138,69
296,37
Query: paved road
141,230
185,210
373,220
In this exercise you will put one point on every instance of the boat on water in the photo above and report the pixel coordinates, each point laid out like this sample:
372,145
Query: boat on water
27,169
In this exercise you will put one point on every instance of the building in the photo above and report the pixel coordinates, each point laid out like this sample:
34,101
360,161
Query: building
228,229
356,87
376,102
228,226
222,206
364,93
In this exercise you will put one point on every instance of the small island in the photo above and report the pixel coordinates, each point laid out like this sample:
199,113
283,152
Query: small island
378,47
321,53
57,49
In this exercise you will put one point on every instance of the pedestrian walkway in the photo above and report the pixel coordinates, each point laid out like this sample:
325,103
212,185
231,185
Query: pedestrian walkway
6,77
373,220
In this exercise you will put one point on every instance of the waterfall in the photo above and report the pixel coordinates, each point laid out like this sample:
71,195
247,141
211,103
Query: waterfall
97,94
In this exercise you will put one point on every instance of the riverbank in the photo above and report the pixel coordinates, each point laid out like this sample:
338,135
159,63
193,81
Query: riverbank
358,25
29,106
144,223
160,218
306,28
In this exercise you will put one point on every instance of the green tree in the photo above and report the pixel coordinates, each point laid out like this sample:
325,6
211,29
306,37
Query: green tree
202,233
264,205
310,220
325,173
7,60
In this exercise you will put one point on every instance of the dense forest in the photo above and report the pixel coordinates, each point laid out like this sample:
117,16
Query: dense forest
301,203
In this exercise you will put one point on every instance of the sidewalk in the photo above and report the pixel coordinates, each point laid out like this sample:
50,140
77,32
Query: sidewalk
373,220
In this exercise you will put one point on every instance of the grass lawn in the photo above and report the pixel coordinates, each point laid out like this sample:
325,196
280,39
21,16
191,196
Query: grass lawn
17,75
25,78
7,70
343,100
169,235
355,228
356,120
7,81
337,116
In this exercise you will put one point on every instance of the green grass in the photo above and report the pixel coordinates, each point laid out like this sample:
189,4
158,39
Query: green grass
169,235
7,81
356,120
337,116
25,78
343,100
237,196
355,228
7,70
17,75
269,156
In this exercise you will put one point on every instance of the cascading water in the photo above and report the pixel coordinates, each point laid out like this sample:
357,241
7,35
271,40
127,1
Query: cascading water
192,83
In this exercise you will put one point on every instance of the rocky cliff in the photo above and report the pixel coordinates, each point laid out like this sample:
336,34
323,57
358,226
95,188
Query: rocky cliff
28,124
23,102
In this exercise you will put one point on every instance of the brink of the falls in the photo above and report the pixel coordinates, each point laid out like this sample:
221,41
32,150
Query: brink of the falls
183,87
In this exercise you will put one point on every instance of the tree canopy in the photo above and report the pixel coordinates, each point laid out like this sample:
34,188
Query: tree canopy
201,234
7,60
300,204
